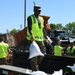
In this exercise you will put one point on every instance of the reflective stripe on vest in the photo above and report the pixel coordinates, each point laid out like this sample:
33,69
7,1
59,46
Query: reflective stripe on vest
70,51
36,31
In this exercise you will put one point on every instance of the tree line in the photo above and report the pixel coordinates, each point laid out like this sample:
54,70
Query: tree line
70,28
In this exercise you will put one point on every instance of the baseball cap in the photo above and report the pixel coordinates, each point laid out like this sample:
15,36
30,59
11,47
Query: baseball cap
37,8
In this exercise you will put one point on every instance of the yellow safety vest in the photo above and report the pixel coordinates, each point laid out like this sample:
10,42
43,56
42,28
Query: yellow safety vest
58,50
70,51
3,50
36,31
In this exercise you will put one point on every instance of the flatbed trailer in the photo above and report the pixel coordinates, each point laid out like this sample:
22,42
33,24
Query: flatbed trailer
12,70
49,64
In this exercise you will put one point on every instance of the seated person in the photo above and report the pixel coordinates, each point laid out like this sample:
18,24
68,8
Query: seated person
70,51
58,50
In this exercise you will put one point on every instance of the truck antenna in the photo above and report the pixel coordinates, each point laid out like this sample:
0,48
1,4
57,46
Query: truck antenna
34,3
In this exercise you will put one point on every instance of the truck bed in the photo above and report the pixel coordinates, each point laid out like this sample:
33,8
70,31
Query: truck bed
49,64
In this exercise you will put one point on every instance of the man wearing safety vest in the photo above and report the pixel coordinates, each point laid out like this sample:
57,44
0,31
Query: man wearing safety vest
70,51
3,51
58,50
36,32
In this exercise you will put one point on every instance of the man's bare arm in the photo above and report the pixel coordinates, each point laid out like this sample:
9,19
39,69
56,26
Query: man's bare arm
29,23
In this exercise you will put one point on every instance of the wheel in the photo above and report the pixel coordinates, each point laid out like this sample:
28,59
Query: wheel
67,71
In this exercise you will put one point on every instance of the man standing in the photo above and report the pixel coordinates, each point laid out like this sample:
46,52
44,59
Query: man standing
36,32
4,50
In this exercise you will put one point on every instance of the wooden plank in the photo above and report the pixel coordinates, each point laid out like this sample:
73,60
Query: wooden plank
14,69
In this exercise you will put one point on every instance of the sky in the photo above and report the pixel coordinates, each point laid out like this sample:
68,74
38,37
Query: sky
12,12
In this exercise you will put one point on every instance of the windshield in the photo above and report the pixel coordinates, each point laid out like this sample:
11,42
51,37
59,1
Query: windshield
60,33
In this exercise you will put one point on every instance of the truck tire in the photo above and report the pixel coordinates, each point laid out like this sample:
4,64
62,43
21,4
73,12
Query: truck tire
67,71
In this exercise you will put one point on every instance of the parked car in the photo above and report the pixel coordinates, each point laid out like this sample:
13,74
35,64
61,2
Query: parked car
72,38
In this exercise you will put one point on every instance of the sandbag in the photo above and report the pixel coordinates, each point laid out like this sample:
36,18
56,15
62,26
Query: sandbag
34,50
38,73
28,71
60,72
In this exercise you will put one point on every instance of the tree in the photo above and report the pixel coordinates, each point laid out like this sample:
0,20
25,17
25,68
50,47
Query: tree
53,26
59,26
14,31
71,27
64,28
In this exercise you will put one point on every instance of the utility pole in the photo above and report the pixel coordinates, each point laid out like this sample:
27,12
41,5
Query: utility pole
24,13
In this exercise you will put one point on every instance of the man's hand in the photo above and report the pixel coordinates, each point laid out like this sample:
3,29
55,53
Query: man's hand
47,41
32,37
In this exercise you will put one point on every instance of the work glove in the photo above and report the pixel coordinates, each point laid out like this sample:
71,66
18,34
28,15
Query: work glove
47,41
32,37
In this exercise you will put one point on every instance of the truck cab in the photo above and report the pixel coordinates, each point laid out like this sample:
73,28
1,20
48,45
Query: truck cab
59,35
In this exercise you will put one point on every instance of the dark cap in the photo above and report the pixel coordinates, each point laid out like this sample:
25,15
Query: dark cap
37,8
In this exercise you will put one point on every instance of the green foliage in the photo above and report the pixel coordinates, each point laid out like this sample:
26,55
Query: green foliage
73,31
67,27
14,31
71,27
64,28
53,26
59,26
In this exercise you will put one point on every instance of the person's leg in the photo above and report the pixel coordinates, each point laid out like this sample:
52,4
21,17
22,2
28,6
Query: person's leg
0,61
3,61
34,65
43,50
35,62
39,60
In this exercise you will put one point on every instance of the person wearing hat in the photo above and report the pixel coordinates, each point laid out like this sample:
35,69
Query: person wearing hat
36,32
70,51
